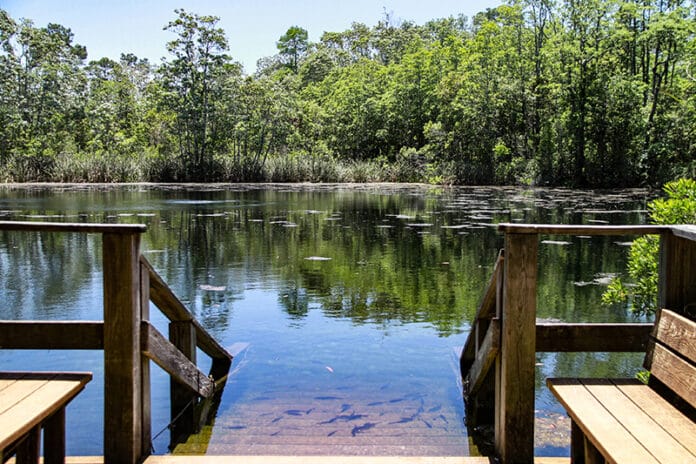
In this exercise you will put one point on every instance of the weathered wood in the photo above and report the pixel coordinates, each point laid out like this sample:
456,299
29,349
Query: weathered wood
685,231
598,424
30,400
485,358
649,433
123,406
168,357
486,309
52,335
677,276
29,448
182,401
54,438
515,432
566,337
561,229
675,373
677,333
145,395
24,226
660,410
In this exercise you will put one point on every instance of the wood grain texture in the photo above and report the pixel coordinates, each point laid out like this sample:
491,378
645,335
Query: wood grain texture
515,432
598,424
642,427
123,407
566,337
486,310
677,273
168,357
28,399
485,358
560,229
25,226
677,333
52,335
673,371
183,337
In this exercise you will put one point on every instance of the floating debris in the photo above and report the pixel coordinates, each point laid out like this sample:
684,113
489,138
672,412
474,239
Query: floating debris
627,244
329,368
556,242
419,224
212,288
317,258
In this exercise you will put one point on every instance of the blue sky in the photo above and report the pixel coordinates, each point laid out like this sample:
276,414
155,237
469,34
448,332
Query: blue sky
110,27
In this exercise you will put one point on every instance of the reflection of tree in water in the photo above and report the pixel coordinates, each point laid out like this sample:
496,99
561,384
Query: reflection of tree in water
405,255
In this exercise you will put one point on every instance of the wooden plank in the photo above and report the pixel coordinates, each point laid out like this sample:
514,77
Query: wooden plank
210,346
677,276
662,445
145,393
123,407
564,337
41,398
25,226
486,310
54,438
562,229
685,231
29,448
672,420
171,459
52,335
678,333
484,359
677,374
598,424
514,439
168,357
183,336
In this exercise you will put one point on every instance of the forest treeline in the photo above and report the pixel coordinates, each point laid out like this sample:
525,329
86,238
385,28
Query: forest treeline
584,93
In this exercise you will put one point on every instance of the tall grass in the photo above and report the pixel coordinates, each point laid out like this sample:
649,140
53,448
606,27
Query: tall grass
151,167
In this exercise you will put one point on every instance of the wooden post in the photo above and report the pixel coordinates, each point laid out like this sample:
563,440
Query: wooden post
677,280
146,445
182,334
123,381
514,440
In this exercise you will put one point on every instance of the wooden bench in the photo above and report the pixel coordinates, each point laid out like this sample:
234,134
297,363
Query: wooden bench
626,421
30,401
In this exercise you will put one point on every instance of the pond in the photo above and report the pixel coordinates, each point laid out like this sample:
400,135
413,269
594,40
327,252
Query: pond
345,305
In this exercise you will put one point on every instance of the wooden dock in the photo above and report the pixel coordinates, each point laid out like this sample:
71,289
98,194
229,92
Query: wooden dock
497,361
169,459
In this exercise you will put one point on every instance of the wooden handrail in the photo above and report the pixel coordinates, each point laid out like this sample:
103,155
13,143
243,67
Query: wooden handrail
52,335
484,312
27,226
156,347
571,229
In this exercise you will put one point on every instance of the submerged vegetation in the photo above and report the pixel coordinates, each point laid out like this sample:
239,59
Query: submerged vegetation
590,93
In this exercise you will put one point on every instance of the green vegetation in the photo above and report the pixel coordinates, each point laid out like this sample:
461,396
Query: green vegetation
591,93
678,207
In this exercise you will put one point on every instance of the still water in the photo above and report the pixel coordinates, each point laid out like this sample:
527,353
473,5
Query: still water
344,305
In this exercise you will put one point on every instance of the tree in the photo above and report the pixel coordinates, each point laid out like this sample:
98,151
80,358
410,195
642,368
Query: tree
193,84
293,46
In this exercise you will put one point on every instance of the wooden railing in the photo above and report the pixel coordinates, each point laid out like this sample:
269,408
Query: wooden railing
498,359
129,342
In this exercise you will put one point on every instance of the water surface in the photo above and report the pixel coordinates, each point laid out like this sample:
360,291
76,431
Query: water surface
345,305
